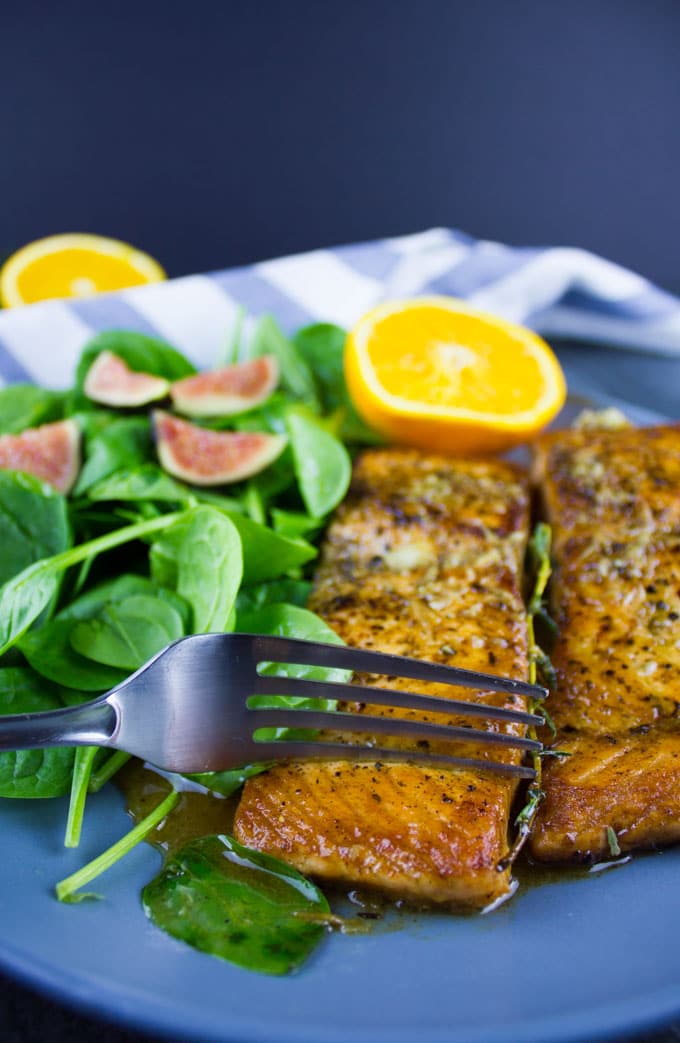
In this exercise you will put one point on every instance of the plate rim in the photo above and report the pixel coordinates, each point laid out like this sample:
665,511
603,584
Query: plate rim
650,1011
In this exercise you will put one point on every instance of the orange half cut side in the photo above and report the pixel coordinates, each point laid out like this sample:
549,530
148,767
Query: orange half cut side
71,266
437,374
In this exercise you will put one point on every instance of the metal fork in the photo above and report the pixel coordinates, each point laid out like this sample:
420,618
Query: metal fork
189,708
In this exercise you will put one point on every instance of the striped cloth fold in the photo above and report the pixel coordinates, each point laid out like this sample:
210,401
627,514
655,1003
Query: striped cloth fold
558,291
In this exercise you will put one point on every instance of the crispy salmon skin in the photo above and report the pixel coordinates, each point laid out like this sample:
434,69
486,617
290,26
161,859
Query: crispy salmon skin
613,499
424,558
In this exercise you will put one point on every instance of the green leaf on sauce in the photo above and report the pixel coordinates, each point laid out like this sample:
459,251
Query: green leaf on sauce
240,905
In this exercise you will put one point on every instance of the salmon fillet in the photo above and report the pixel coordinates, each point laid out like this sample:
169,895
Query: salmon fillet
424,558
613,499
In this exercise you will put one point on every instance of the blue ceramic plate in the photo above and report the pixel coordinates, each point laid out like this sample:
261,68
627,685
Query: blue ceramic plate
577,959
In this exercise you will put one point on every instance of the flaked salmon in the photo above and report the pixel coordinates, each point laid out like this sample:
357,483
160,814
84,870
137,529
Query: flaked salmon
613,499
424,558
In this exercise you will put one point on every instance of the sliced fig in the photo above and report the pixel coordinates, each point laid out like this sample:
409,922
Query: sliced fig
50,452
227,391
204,457
111,382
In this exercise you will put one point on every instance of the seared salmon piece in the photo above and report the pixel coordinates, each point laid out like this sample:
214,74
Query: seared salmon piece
424,558
613,499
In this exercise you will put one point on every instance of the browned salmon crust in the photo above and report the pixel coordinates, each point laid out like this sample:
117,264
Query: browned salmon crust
424,558
613,498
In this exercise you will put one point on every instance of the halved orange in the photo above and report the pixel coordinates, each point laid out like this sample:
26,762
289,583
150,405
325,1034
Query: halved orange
434,373
73,265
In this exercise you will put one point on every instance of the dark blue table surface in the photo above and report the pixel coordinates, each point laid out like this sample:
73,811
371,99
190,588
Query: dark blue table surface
212,134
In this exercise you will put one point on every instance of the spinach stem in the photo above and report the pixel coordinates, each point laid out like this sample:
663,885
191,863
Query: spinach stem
66,888
82,768
83,551
232,348
24,597
539,548
83,573
255,504
107,770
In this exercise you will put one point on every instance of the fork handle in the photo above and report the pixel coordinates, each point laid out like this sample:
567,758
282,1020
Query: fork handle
91,724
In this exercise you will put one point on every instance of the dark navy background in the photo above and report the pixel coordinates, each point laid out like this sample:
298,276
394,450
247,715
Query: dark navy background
217,133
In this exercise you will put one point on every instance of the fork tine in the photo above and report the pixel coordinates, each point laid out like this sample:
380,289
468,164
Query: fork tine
309,689
298,750
398,726
313,653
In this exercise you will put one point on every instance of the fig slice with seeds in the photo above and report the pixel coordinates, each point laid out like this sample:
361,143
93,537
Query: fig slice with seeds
50,452
204,457
227,391
111,382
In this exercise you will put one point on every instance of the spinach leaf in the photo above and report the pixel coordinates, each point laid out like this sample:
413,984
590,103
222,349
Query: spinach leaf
26,595
124,443
274,480
33,522
228,782
128,633
127,585
322,346
296,377
237,904
322,464
268,554
279,475
24,598
147,482
256,595
26,405
49,650
92,421
200,557
295,524
142,353
213,499
293,621
270,416
32,773
150,482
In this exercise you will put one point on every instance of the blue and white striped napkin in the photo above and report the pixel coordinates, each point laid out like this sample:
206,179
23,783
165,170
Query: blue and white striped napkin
559,292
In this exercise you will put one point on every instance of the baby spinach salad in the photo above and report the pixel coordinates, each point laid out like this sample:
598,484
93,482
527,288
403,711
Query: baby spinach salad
96,581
